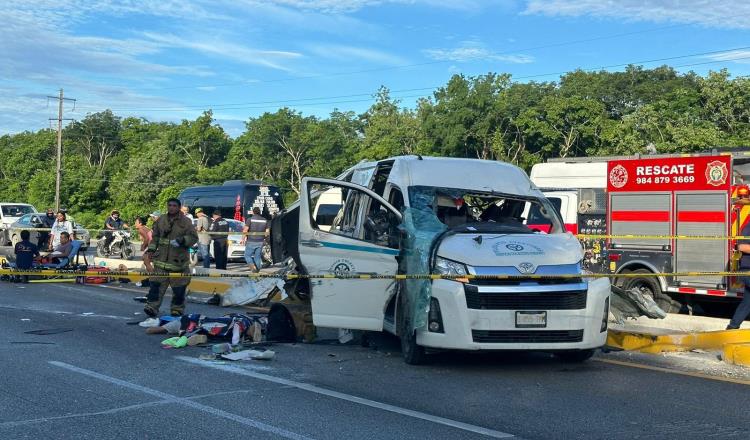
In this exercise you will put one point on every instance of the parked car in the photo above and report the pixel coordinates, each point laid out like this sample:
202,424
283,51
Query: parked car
236,248
34,220
9,214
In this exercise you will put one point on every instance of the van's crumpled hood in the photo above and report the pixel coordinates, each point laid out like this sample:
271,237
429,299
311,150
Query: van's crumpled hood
511,249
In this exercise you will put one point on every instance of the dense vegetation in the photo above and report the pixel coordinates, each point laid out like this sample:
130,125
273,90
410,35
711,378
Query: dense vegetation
134,164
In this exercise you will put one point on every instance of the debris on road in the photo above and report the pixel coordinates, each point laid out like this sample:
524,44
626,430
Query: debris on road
633,303
249,355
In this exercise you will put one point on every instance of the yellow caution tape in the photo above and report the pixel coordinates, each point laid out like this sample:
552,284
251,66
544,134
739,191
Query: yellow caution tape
661,237
134,274
581,236
134,231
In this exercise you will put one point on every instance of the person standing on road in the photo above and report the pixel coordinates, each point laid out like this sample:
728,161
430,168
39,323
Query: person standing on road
204,239
25,252
144,232
255,234
186,212
220,226
47,222
169,251
743,245
61,225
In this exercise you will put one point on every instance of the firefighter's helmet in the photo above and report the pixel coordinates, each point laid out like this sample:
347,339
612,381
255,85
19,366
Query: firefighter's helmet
743,192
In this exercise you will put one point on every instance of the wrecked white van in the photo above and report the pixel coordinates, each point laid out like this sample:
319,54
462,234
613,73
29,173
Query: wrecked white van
443,216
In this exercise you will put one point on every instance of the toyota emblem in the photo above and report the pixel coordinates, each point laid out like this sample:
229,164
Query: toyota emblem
526,267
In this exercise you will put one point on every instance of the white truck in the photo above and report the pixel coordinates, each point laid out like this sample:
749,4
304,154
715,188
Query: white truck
459,218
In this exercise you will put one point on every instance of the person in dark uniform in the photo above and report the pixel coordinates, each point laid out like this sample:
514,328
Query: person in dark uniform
47,222
743,245
219,224
26,252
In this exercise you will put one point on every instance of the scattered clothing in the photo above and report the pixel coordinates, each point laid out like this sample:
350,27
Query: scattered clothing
149,322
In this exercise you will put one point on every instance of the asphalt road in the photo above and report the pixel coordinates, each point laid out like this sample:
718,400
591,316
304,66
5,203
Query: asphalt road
100,378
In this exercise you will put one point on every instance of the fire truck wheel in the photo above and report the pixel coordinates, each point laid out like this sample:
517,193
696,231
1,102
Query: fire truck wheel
650,286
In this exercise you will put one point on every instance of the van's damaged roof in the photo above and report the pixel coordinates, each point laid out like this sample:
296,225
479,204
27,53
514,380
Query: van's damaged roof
471,174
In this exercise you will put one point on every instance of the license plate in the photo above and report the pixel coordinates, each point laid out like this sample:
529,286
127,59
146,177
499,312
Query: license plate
531,319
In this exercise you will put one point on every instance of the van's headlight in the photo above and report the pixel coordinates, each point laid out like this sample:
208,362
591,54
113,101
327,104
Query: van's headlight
448,267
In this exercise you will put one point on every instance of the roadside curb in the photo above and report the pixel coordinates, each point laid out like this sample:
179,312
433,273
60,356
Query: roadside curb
209,287
735,344
737,354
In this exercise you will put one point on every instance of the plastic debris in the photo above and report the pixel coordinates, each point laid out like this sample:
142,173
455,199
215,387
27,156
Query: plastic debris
345,335
249,354
221,348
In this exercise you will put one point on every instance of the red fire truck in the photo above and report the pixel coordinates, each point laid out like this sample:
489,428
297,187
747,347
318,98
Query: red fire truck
659,199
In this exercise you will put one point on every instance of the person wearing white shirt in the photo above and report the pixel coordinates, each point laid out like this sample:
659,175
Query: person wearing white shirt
61,225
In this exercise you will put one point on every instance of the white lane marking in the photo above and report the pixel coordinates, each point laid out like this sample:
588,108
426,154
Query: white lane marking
189,403
348,397
116,410
62,312
87,414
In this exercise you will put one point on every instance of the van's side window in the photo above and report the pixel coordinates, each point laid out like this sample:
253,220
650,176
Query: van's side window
351,220
396,198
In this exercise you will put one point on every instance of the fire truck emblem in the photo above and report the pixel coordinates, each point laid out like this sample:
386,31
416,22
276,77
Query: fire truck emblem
716,173
618,177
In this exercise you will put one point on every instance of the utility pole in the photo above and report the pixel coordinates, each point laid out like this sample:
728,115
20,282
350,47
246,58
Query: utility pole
58,170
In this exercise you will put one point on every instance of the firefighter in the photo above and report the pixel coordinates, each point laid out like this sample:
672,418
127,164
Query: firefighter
743,195
169,251
743,245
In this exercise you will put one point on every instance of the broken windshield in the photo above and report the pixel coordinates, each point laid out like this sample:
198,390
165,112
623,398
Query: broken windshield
478,211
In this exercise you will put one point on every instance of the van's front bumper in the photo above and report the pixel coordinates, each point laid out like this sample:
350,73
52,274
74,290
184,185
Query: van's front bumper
470,329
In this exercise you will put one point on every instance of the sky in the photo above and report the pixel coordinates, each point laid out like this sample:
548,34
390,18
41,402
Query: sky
168,60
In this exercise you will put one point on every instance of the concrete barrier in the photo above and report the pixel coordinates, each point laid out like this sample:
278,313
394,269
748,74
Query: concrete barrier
737,354
683,333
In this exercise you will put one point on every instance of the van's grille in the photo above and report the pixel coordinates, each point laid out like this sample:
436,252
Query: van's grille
558,300
527,336
517,281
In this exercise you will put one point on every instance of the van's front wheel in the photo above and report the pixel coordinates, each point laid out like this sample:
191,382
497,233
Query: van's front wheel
411,351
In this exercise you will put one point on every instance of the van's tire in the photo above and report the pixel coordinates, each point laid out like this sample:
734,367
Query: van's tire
575,356
281,326
411,351
650,286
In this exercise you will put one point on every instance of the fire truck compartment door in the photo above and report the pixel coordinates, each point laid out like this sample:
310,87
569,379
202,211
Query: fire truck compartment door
701,214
